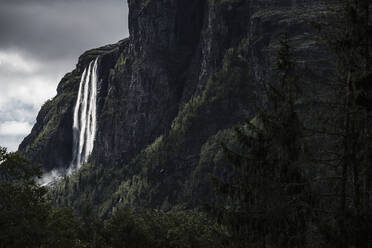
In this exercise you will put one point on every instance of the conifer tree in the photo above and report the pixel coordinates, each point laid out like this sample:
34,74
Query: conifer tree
23,209
348,34
267,194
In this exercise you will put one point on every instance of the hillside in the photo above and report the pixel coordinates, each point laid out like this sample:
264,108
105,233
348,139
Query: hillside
168,96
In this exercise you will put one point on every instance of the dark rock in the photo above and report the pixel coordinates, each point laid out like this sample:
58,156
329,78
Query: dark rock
188,70
51,139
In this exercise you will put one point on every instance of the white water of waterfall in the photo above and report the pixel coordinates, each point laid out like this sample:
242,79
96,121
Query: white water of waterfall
84,125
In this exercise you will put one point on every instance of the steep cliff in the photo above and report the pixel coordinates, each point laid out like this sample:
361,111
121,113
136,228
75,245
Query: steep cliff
168,97
51,139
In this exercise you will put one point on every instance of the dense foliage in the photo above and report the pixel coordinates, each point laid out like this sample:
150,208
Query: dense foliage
279,193
29,220
297,175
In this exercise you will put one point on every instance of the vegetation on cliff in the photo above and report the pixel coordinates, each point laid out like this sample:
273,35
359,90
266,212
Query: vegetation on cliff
28,219
247,150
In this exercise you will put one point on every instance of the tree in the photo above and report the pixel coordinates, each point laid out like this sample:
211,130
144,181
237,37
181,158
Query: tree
268,196
348,34
176,228
124,230
62,229
91,228
27,219
23,207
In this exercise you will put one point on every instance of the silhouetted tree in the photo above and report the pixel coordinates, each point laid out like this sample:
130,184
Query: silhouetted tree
348,34
23,208
268,199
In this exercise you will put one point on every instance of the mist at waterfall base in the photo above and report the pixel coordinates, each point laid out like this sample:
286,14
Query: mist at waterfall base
84,125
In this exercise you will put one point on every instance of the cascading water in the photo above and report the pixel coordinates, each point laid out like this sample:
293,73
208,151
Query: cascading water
84,125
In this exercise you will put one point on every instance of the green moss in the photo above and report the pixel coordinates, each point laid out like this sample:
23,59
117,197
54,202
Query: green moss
145,3
229,81
111,73
73,79
121,62
211,151
47,130
155,146
188,114
129,191
51,110
48,104
162,163
212,158
162,155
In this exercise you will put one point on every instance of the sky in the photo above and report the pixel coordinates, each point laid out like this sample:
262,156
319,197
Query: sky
40,41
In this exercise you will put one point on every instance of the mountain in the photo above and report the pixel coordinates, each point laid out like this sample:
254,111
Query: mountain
169,95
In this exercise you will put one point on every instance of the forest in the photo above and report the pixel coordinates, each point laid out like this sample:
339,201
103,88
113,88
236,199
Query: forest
299,174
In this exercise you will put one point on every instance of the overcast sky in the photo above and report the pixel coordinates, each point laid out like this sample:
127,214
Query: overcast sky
40,41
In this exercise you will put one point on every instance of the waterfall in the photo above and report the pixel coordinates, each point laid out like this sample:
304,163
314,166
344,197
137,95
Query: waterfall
84,125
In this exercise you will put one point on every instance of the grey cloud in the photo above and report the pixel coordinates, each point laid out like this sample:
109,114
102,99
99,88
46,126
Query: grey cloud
17,110
48,35
55,29
10,142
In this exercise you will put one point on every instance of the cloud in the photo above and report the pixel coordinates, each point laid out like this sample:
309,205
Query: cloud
40,41
10,142
13,62
23,79
56,29
14,128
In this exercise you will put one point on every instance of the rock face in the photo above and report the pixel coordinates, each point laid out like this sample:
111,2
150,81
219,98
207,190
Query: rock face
168,96
51,139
